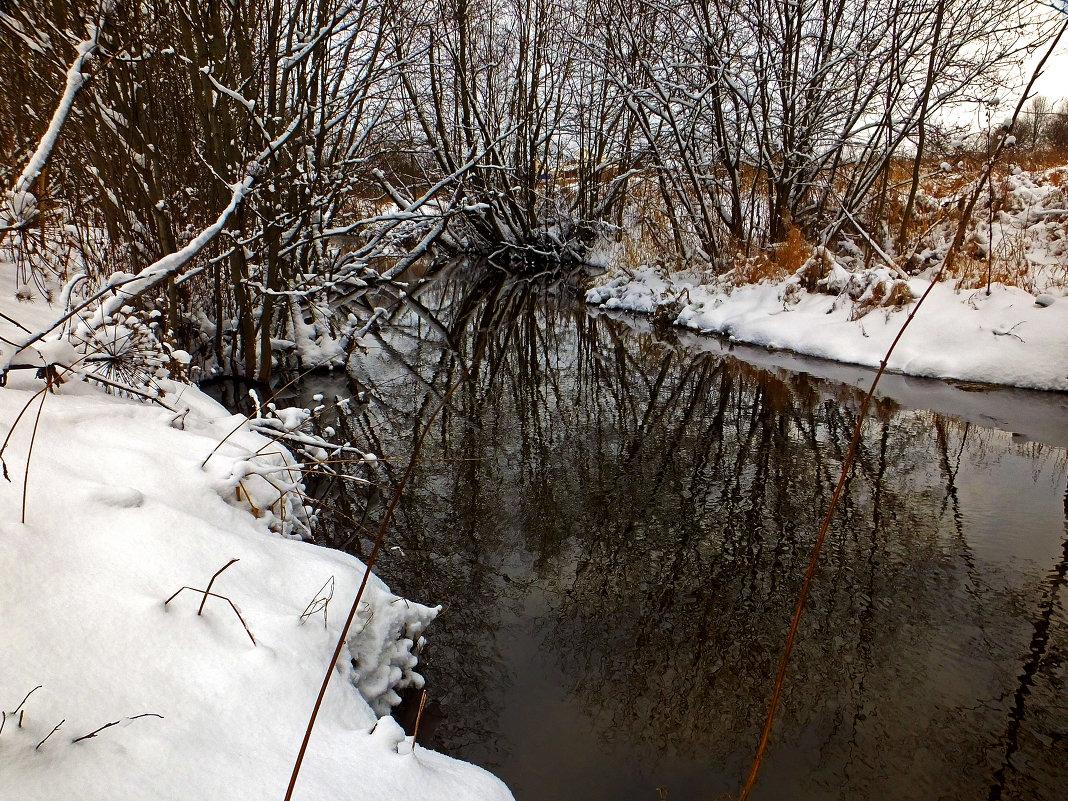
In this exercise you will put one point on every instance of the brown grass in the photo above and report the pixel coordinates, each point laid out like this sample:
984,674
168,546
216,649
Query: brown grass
1008,265
817,268
792,253
899,296
884,295
651,241
775,264
757,269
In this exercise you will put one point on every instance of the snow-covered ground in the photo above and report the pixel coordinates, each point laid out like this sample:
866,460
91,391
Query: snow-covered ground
1005,337
119,515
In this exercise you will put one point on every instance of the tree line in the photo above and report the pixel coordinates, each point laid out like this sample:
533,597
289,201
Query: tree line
369,135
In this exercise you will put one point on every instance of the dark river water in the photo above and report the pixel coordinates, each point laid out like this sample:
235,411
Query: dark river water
617,522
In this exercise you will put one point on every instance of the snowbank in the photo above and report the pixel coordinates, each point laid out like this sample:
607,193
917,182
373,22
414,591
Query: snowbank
119,516
1011,336
1003,338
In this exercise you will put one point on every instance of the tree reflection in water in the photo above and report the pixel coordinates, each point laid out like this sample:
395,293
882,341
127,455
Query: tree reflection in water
649,513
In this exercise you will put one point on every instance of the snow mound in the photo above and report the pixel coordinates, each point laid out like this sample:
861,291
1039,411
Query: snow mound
853,316
139,698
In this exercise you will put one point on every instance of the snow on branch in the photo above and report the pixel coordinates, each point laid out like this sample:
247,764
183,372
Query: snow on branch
18,206
123,287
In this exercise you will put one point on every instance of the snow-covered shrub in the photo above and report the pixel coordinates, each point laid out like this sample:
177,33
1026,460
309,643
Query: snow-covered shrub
384,651
270,481
868,288
270,485
816,268
877,289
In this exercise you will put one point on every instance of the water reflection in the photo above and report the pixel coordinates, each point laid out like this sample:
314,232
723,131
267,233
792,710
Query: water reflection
628,522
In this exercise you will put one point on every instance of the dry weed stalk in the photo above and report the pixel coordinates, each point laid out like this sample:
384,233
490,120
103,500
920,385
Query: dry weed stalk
320,603
651,240
380,539
418,717
1006,264
95,732
29,454
207,591
54,730
18,709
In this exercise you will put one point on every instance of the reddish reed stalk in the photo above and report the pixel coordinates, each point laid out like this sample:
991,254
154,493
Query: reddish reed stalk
379,540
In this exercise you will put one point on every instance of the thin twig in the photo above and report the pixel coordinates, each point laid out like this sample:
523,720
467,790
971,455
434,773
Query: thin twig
207,591
54,730
221,598
248,417
95,732
320,601
14,425
27,698
29,453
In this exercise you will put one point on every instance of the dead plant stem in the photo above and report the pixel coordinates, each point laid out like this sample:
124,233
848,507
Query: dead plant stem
29,453
379,541
14,425
207,590
418,717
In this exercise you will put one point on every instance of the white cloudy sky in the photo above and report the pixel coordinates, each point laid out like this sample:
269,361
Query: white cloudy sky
1054,80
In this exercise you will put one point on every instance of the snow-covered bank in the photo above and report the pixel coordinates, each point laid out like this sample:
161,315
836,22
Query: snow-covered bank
119,516
1001,338
839,307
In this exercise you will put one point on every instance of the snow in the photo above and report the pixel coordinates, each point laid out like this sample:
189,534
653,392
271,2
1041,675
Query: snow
1012,336
119,516
1003,338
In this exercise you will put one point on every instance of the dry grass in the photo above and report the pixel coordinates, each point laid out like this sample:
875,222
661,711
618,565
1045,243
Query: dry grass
816,269
649,240
873,300
779,262
884,295
899,296
757,269
792,253
1043,159
1008,265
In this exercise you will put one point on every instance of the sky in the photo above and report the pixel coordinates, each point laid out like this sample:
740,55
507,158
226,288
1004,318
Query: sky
1053,83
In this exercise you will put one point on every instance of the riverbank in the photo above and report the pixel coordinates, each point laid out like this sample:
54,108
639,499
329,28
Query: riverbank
1002,338
839,306
136,698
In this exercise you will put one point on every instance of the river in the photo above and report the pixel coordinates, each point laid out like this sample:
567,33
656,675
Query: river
617,520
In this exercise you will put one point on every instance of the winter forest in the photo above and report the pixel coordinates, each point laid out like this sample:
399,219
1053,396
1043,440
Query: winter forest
571,321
